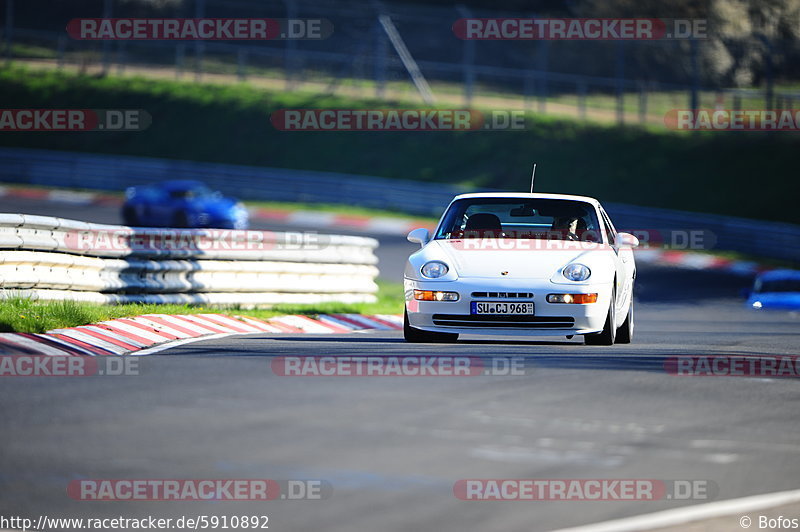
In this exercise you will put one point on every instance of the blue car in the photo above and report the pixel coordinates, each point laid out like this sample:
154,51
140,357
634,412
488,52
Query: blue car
776,289
182,204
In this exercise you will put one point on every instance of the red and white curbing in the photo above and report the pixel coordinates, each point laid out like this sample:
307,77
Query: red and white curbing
126,336
60,195
381,225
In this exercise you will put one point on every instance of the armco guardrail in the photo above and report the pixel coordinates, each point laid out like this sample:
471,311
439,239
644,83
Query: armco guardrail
106,172
53,258
113,172
753,237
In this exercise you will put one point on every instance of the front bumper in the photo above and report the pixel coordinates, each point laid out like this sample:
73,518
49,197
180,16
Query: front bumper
549,319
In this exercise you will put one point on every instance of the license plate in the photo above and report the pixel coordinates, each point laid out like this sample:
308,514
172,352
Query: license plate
501,307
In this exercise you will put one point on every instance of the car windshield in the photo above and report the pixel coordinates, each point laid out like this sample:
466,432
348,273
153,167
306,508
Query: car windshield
553,219
778,285
189,193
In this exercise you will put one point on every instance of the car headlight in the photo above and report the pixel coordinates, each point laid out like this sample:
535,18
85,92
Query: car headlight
434,269
577,272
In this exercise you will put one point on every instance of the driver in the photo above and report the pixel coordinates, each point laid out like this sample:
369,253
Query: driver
569,227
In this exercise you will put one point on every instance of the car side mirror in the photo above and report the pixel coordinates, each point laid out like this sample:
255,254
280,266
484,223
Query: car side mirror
626,240
419,236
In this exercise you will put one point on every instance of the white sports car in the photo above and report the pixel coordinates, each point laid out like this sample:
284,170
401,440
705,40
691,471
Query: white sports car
521,264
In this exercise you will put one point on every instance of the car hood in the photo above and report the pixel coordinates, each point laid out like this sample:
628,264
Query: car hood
521,259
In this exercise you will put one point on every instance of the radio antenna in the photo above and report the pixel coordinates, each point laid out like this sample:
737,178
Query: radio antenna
533,176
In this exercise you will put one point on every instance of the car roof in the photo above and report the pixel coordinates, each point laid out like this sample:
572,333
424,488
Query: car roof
527,195
181,184
777,275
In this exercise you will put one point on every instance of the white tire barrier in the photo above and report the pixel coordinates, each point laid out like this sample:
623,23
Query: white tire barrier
53,258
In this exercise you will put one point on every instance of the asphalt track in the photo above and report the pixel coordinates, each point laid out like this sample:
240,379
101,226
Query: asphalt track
392,448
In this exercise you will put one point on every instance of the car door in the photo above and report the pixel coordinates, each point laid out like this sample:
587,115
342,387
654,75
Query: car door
161,208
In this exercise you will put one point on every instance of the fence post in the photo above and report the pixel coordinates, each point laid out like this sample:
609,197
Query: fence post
768,71
620,82
107,13
199,12
642,103
379,61
61,51
9,28
581,99
544,60
241,63
122,57
527,88
467,60
289,57
694,99
180,60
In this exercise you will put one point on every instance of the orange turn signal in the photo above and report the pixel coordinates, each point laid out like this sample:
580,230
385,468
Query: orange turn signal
432,295
580,299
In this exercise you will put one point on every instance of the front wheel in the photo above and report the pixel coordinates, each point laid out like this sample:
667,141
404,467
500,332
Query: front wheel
181,220
129,216
418,336
625,331
609,332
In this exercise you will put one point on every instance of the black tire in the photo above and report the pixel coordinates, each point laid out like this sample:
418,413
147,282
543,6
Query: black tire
181,220
418,336
625,331
129,216
609,332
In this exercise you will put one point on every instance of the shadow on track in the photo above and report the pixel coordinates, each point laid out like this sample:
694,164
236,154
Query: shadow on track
625,358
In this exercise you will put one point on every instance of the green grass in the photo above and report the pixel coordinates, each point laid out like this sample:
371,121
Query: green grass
23,315
750,175
32,51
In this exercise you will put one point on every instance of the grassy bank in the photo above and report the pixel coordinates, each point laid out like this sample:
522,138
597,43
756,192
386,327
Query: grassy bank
740,174
24,315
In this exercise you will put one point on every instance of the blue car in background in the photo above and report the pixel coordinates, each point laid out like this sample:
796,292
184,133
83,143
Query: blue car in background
182,204
776,289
